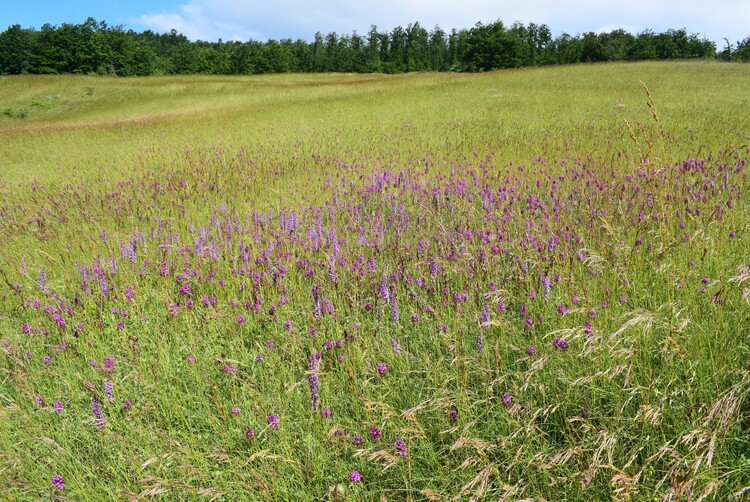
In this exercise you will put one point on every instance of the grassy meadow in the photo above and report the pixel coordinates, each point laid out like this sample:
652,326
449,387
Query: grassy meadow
517,285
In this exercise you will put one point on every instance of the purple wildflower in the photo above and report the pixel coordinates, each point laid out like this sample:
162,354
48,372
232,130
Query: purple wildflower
58,482
250,434
531,351
314,382
96,409
59,408
109,363
560,343
42,278
484,317
394,344
325,413
394,309
317,309
382,368
355,477
358,439
108,390
385,293
507,400
374,433
127,404
273,421
546,287
401,447
453,415
588,328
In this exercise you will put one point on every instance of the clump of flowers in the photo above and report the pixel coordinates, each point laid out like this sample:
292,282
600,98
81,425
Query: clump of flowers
401,448
273,421
560,343
58,482
507,400
374,433
394,344
109,363
108,390
355,477
96,409
382,368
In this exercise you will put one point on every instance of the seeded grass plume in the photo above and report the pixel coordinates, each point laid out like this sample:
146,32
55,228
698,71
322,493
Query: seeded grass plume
513,285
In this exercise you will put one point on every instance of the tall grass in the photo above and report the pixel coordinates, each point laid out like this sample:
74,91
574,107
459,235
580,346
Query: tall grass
516,285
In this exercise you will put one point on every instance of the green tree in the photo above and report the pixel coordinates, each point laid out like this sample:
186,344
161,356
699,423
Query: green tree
374,41
17,47
742,52
458,46
417,48
439,58
396,62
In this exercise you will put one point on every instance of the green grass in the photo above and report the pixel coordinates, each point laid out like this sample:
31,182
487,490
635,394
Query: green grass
120,123
564,203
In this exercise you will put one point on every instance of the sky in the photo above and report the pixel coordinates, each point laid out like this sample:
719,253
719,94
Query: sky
242,20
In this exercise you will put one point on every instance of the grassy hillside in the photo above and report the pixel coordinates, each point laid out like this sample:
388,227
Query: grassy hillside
517,285
75,124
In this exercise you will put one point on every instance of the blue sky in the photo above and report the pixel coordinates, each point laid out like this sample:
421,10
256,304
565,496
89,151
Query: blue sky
264,19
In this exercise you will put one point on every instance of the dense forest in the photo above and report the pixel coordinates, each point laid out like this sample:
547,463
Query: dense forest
95,47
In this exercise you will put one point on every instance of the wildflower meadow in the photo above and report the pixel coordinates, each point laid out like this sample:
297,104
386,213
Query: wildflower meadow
521,285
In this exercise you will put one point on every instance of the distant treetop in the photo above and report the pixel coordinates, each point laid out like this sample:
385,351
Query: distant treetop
94,47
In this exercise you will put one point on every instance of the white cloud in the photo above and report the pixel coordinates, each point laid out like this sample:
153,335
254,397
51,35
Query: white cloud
244,19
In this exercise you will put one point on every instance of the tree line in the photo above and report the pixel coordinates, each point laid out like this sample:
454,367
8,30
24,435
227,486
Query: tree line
94,47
